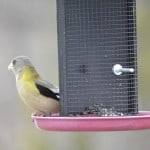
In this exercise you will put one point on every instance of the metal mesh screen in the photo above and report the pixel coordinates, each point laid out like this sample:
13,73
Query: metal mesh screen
93,36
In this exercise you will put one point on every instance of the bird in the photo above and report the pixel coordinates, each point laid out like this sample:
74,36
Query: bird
38,94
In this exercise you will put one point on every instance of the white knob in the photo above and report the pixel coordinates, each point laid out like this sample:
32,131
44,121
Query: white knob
118,69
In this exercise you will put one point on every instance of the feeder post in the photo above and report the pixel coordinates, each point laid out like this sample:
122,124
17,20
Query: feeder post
93,37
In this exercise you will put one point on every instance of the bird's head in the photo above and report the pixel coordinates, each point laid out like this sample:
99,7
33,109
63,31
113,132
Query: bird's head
19,63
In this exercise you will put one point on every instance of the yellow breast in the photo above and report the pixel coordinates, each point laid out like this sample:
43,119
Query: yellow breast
26,85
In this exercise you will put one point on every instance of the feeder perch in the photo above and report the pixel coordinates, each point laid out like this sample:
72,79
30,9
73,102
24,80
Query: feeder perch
97,48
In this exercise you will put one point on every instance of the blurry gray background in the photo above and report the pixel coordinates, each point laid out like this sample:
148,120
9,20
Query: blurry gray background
29,28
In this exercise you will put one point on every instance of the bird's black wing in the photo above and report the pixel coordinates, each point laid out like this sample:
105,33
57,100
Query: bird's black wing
47,92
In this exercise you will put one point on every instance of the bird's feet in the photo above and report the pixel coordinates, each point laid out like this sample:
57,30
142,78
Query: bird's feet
40,114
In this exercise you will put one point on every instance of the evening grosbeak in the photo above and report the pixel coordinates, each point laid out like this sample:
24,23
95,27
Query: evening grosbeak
35,92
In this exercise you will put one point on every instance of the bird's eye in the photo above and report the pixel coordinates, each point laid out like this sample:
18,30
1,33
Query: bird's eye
14,62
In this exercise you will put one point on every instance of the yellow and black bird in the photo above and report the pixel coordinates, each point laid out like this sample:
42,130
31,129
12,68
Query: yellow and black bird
39,94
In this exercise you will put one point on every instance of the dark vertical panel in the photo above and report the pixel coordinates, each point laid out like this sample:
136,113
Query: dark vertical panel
93,36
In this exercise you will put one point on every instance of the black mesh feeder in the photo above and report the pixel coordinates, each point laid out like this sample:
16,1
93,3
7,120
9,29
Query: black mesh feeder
98,68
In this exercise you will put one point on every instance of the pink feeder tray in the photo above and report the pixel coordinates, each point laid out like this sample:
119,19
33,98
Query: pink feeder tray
120,123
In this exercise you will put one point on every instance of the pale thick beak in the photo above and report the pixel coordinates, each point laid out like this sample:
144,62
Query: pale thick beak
10,66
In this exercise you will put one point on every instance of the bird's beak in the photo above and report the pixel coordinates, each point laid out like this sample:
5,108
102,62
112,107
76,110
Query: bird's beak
10,66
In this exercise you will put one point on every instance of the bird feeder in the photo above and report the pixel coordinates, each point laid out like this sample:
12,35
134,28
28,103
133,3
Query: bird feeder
97,47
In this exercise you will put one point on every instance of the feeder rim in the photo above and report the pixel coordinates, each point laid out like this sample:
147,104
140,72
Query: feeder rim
120,123
143,114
